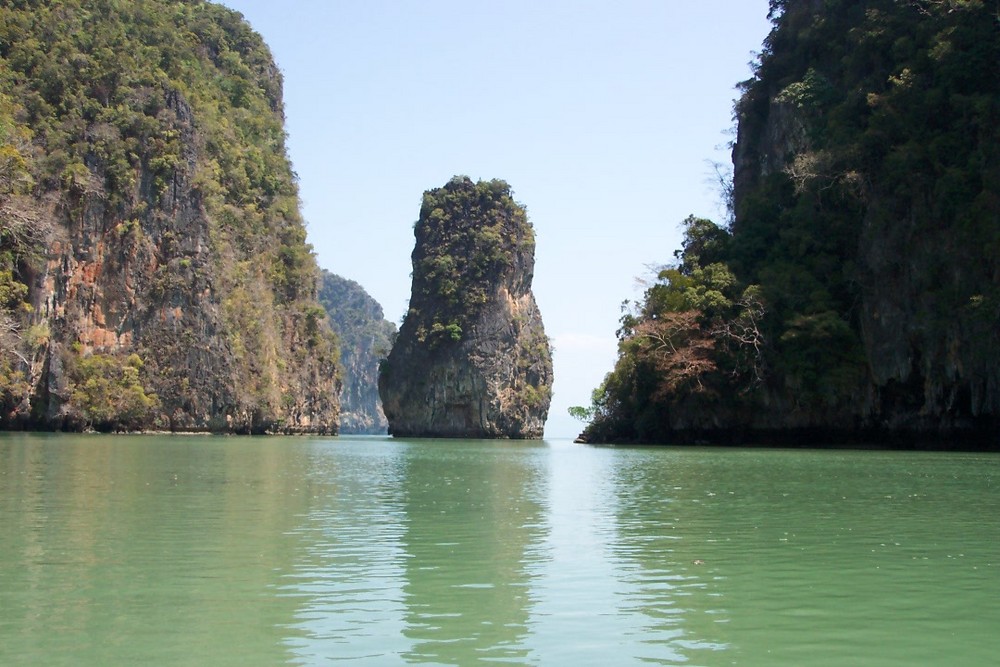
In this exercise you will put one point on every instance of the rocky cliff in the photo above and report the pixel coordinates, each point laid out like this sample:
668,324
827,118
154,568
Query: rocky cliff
365,338
160,278
472,358
885,142
856,294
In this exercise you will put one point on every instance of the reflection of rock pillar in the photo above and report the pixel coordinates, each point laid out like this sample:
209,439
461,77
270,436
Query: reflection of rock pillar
469,537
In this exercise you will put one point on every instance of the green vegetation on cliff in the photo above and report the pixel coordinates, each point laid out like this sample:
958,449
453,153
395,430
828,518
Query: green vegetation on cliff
147,206
105,393
857,291
471,359
467,236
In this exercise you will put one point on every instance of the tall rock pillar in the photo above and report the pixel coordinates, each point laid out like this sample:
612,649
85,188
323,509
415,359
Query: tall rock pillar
472,359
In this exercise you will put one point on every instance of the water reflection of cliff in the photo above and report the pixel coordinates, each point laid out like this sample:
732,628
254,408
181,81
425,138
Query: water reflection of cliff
474,525
347,574
141,550
661,542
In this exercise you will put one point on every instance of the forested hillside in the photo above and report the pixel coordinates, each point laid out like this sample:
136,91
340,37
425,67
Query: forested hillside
153,265
856,291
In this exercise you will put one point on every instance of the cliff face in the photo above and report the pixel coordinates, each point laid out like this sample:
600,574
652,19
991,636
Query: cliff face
857,293
171,286
886,140
471,359
365,338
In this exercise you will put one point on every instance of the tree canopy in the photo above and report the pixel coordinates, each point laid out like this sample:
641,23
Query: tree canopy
467,236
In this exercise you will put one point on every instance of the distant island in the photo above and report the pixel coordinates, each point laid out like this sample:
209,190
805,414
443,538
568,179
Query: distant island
365,338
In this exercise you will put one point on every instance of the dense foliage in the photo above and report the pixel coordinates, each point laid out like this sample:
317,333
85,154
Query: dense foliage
106,393
123,127
860,278
695,340
467,236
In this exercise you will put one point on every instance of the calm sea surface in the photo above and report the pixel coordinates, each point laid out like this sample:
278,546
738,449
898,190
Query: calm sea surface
176,550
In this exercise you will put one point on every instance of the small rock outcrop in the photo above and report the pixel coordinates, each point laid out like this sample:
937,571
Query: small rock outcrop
472,359
365,337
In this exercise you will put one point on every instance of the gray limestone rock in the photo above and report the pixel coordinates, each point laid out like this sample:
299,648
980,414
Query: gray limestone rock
472,359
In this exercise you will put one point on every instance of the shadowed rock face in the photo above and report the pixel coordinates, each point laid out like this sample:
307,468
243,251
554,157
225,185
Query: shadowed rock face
471,359
914,249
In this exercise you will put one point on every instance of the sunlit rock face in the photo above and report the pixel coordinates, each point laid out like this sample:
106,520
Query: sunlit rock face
472,359
170,286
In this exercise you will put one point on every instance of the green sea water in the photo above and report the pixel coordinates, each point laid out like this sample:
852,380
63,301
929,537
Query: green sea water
205,550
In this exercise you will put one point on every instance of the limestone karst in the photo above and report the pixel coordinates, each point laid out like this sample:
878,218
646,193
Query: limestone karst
364,337
154,272
472,358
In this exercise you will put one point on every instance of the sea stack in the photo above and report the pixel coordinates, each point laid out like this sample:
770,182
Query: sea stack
472,359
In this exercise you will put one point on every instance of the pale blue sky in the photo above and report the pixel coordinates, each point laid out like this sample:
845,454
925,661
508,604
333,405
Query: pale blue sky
604,117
